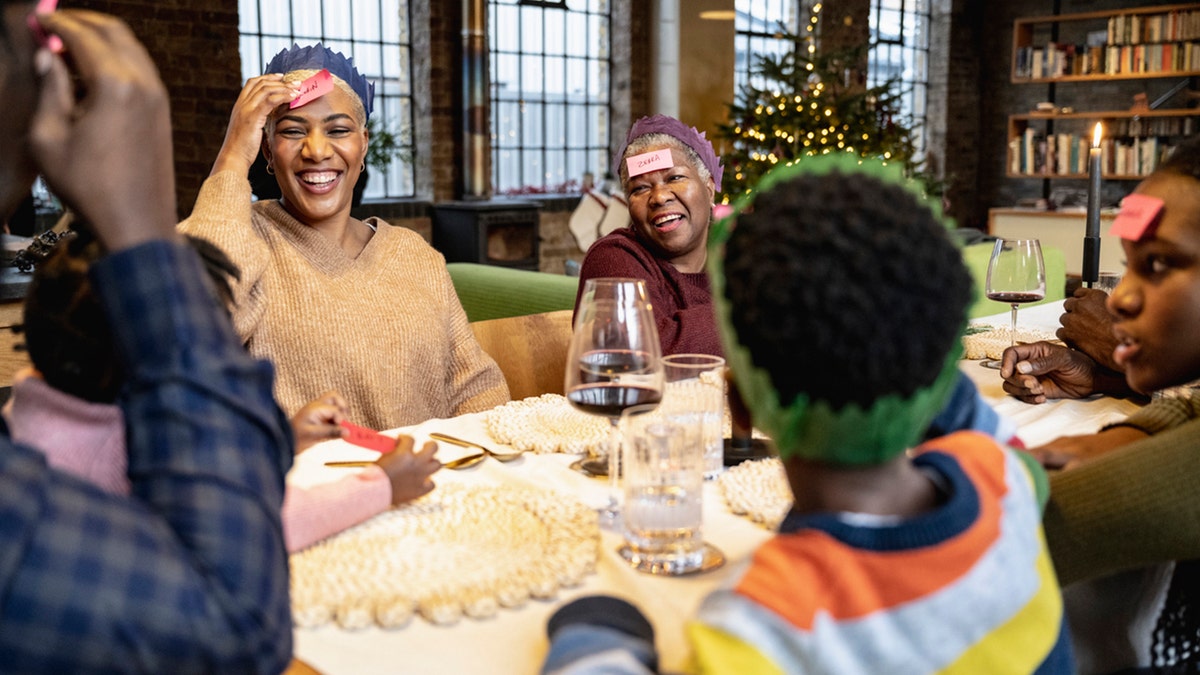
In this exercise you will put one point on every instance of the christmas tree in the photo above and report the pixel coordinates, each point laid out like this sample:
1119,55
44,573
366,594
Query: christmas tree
814,103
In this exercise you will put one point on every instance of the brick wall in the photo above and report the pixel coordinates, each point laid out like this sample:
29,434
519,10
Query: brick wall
952,137
195,45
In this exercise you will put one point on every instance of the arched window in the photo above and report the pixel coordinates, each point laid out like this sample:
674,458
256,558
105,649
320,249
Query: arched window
550,64
375,33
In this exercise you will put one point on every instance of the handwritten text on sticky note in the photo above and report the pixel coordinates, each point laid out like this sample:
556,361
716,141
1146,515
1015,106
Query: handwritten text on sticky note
313,88
372,440
649,161
1138,217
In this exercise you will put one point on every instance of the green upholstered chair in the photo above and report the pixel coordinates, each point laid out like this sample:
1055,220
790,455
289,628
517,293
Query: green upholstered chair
494,292
977,256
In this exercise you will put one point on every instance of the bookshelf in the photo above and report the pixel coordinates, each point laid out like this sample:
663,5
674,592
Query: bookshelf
1131,44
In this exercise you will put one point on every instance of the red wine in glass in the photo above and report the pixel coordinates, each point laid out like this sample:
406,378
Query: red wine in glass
1016,275
611,400
615,363
1015,298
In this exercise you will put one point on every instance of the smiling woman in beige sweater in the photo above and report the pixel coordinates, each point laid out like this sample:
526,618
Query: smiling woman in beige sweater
362,307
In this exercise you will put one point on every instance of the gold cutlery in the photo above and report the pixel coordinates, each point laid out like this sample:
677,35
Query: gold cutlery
460,463
499,456
465,461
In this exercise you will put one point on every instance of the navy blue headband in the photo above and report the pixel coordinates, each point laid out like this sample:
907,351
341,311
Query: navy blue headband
319,56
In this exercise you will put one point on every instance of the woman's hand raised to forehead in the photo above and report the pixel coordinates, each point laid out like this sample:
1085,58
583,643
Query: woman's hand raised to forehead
253,107
103,140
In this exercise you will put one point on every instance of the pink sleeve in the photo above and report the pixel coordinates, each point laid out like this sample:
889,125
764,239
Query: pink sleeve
311,514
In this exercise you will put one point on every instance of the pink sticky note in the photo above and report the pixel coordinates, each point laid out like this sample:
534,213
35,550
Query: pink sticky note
313,88
649,161
51,42
372,440
1138,217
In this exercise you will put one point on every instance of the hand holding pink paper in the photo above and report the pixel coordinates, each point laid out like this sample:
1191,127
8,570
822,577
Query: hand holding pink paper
372,440
51,42
313,88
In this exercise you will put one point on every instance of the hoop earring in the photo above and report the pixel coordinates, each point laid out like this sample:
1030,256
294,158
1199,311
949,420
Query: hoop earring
270,169
362,167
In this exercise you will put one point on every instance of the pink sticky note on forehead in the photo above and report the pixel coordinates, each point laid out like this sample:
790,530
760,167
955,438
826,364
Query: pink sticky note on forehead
649,161
313,88
367,438
1138,217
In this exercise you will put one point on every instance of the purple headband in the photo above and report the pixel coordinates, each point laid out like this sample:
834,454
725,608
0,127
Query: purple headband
319,56
689,136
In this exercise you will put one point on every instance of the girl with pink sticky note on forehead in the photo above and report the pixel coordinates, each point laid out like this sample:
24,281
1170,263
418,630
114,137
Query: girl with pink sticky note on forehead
1124,508
670,175
1156,307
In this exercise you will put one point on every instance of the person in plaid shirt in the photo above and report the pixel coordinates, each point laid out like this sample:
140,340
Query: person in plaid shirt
189,572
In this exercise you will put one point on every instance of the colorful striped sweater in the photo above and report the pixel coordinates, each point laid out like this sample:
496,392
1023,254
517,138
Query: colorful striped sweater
966,588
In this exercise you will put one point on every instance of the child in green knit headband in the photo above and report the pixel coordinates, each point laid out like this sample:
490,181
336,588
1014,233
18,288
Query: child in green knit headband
840,299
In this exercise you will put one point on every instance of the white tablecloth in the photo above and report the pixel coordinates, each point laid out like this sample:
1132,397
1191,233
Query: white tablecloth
514,641
1037,424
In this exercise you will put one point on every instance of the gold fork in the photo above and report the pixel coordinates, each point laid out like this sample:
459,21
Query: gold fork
500,456
460,463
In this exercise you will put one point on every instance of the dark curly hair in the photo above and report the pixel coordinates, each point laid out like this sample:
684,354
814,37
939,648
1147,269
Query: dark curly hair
845,288
66,329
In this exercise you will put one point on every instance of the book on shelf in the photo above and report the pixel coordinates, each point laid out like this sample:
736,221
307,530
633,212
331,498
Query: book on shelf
1066,154
1136,43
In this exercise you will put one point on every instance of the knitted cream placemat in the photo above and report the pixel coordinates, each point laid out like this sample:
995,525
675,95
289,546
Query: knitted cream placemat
549,423
461,551
989,342
546,423
758,490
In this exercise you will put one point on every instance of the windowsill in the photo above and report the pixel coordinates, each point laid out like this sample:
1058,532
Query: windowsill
420,208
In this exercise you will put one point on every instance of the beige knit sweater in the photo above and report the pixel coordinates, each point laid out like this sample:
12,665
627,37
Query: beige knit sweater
385,329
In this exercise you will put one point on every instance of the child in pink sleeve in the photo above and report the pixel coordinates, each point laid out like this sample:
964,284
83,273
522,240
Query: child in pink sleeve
65,405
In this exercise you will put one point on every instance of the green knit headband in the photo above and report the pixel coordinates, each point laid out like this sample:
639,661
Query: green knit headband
811,428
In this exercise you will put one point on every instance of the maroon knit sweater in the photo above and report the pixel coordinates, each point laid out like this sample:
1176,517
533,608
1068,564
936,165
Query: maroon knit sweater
682,301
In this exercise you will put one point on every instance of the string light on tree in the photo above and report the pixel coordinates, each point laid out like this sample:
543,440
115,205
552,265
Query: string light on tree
807,106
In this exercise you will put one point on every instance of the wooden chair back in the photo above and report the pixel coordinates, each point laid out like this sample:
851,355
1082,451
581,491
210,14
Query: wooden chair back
531,350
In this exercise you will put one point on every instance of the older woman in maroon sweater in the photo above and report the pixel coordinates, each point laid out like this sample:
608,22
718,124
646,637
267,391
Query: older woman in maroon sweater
670,175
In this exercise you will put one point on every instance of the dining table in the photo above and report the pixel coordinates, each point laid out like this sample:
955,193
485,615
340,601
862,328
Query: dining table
514,640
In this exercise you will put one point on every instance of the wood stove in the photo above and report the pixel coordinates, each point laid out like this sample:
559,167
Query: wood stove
492,232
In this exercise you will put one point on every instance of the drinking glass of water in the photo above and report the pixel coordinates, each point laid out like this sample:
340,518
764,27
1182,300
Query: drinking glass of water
664,489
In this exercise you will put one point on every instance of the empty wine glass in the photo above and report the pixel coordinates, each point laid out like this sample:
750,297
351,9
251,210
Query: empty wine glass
614,363
1016,275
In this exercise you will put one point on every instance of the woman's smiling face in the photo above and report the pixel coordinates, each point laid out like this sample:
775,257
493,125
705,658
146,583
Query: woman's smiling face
671,209
317,153
1157,304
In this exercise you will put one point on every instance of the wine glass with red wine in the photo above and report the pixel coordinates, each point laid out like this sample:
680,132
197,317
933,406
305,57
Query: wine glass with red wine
1016,275
614,363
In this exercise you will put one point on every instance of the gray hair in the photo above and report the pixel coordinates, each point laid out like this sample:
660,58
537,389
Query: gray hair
643,143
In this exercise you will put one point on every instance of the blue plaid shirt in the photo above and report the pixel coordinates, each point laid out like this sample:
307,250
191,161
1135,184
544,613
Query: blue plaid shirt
189,574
